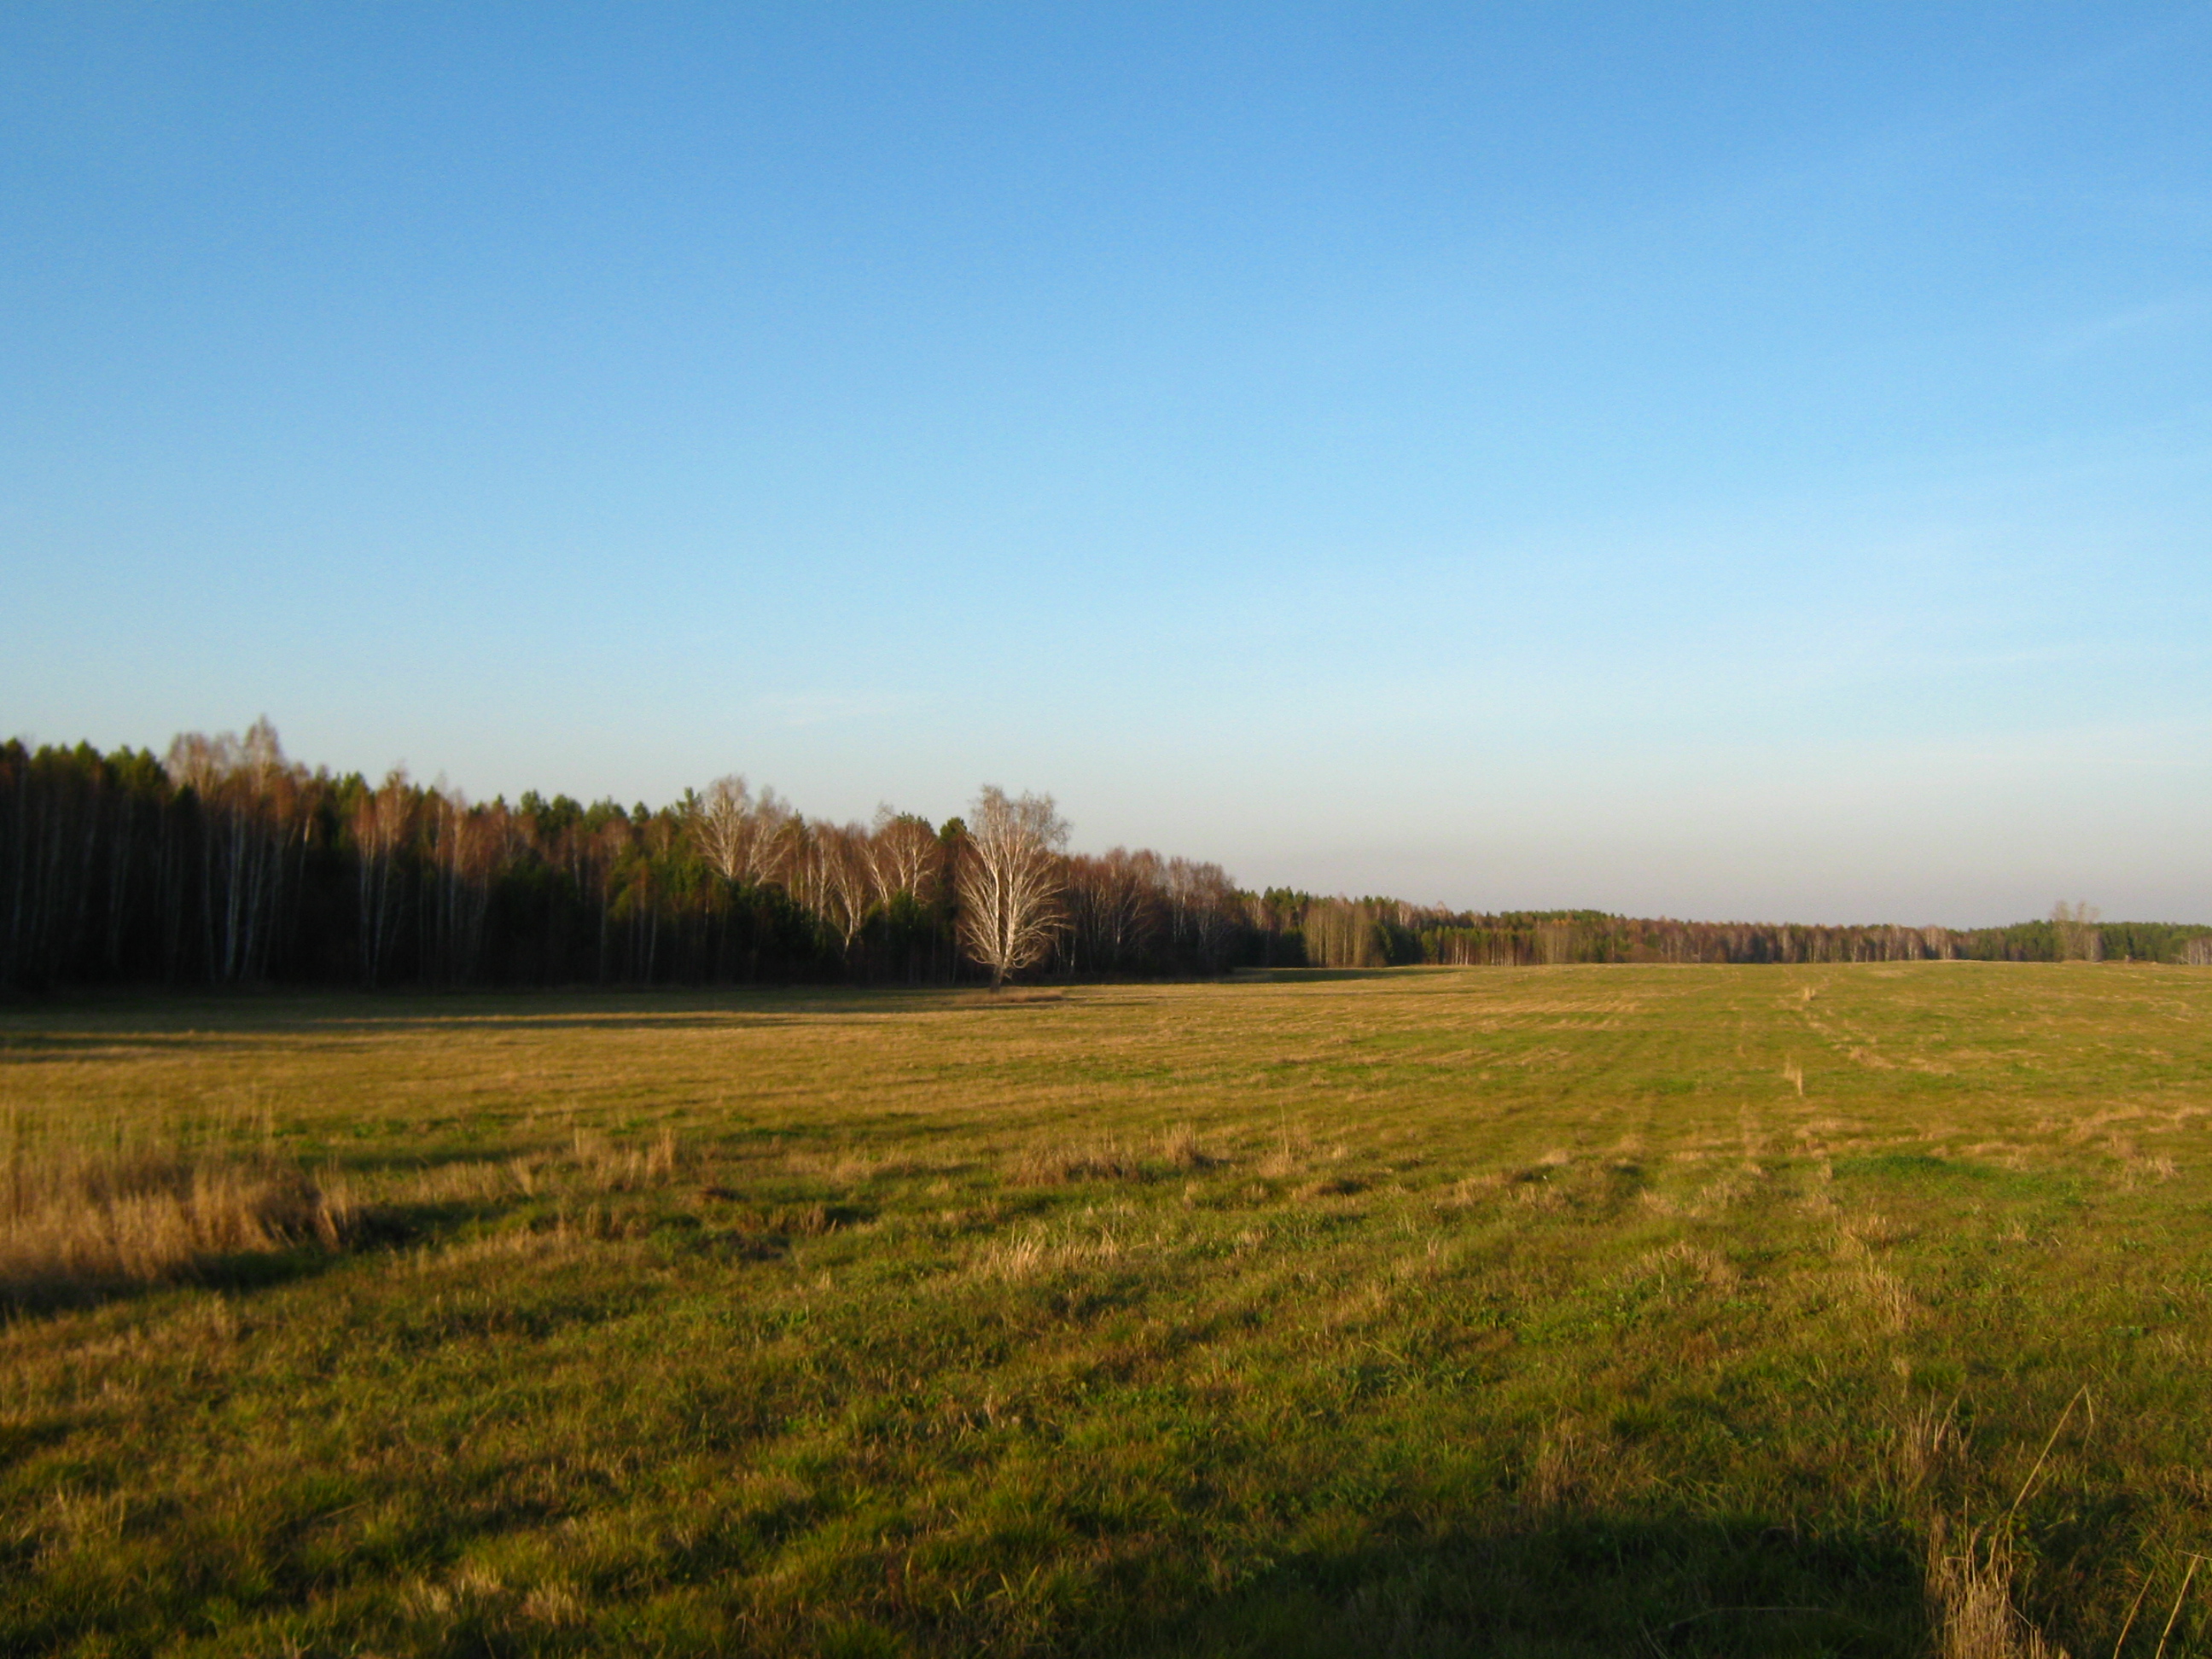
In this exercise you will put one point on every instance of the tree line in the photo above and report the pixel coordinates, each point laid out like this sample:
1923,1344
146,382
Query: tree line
223,862
1386,933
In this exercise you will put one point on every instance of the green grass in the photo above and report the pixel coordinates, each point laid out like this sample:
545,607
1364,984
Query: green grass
1429,1312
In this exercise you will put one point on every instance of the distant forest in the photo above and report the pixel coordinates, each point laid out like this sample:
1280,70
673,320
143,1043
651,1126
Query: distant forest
224,863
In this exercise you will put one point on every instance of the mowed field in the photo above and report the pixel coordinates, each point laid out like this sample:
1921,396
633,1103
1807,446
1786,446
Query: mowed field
1577,1310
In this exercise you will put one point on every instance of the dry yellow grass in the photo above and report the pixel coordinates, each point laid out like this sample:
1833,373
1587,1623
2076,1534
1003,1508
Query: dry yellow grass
1970,1583
87,1203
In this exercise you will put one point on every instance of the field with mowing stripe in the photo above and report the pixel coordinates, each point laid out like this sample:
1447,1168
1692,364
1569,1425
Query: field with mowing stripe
1584,1310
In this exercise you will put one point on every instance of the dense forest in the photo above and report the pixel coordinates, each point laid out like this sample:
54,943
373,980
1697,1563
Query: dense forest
224,863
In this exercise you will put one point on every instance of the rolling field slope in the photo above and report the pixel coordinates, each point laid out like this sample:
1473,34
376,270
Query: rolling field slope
1577,1310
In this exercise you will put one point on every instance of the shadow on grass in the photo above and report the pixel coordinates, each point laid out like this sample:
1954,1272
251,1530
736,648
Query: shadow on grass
1952,1176
33,1293
1587,1585
1317,976
36,1290
91,1023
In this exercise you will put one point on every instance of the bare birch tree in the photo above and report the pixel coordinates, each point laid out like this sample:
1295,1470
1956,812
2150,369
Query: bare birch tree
249,799
1201,904
1339,933
462,846
1010,882
722,824
381,825
1555,942
2079,939
805,869
742,838
779,839
846,885
904,856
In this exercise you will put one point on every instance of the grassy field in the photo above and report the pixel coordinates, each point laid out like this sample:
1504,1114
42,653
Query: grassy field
1581,1310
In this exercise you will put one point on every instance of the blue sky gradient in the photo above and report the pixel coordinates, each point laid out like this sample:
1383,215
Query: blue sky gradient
1749,463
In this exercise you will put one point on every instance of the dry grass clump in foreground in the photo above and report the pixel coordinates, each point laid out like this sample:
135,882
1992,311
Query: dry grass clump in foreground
88,1206
1570,1311
1971,1586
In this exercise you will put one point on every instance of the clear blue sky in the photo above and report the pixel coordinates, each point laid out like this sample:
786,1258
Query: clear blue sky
1734,461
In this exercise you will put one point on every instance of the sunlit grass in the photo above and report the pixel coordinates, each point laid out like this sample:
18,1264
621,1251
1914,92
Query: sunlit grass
1569,1310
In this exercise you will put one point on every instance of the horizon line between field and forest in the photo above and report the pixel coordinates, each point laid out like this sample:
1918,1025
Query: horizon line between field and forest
224,862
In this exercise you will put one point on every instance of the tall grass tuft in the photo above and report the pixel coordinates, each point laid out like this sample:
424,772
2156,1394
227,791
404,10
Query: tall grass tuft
90,1206
1183,1150
617,1167
1971,1587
